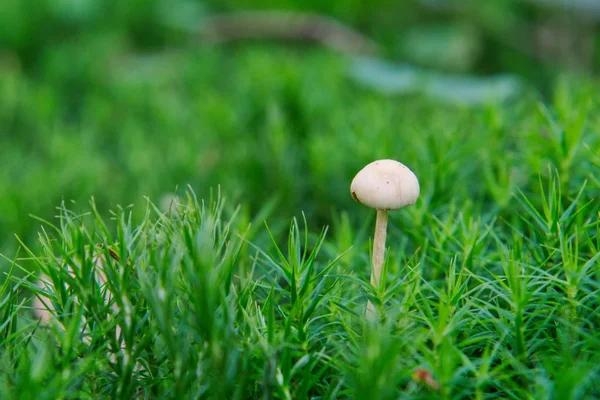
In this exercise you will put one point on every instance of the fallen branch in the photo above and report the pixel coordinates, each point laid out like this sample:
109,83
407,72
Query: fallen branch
284,25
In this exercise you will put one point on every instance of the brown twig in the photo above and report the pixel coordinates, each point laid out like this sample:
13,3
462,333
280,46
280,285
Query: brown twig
253,25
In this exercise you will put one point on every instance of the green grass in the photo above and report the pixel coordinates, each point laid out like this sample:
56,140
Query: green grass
491,279
192,308
143,125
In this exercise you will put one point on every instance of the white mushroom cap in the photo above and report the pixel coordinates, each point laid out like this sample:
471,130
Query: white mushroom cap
385,185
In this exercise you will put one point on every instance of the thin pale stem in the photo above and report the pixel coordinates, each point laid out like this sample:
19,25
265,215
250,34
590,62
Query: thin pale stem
378,252
379,246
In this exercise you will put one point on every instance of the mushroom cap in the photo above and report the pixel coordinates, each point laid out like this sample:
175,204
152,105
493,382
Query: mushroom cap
385,185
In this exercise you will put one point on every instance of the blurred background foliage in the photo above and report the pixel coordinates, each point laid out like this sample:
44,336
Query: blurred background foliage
121,99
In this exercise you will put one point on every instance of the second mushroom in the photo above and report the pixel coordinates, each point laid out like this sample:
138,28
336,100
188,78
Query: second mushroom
383,185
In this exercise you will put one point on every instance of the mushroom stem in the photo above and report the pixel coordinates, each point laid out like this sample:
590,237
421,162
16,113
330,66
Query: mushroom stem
378,253
379,246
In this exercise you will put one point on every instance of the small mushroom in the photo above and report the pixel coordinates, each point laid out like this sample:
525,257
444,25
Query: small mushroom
45,313
383,185
170,202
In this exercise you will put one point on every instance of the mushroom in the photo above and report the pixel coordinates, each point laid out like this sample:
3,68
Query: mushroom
383,185
45,312
170,202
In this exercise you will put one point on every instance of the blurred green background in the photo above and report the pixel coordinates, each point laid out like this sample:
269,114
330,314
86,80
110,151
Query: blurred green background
124,99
